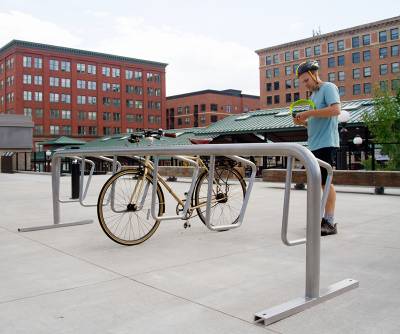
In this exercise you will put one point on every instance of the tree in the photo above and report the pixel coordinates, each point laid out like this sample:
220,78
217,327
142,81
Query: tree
384,125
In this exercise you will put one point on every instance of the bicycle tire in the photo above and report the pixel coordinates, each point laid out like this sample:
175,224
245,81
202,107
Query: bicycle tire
123,181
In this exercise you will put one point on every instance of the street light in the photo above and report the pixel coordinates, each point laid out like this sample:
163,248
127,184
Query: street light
48,154
357,140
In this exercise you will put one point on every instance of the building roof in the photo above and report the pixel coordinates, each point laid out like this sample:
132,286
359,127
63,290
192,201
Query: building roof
63,141
46,47
226,92
279,119
333,34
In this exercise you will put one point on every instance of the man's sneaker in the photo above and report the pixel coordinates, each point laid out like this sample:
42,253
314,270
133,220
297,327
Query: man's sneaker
326,228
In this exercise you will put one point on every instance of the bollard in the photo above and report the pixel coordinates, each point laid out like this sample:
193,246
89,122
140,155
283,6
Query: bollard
75,170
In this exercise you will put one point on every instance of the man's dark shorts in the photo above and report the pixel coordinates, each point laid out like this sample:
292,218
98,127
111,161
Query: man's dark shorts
327,154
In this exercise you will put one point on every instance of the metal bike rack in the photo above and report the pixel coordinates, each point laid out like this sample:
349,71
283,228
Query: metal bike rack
82,192
312,294
286,200
246,197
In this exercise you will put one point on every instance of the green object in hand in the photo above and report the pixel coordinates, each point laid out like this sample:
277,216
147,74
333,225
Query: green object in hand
300,106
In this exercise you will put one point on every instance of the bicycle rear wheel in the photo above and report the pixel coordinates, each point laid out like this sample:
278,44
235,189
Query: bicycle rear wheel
123,221
228,191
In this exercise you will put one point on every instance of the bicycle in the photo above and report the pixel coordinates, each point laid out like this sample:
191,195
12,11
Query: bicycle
124,206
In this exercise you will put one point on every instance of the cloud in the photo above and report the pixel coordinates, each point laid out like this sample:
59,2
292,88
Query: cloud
18,25
196,61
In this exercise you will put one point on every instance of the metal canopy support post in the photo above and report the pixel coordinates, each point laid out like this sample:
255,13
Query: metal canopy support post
312,295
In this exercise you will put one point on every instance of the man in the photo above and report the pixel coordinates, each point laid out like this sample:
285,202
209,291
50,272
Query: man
322,129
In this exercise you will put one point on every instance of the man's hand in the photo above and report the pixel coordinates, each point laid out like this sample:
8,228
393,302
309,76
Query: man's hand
298,121
301,117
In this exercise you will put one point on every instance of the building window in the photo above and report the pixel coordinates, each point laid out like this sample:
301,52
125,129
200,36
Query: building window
116,116
383,69
395,84
288,98
27,96
356,73
342,90
367,55
106,131
395,67
38,96
92,115
82,131
276,59
366,39
383,53
276,99
38,130
81,84
128,74
268,60
53,97
214,118
54,82
28,112
187,120
276,72
356,89
38,80
383,85
27,61
296,96
106,71
296,83
331,77
54,114
382,36
394,33
138,104
138,75
356,57
395,50
268,73
65,66
269,100
91,69
116,102
38,63
80,68
331,47
202,107
308,52
65,114
66,83
317,50
288,84
340,60
276,85
81,99
129,103
115,72
367,88
92,99
27,79
39,113
67,130
287,56
355,42
296,54
53,65
91,85
340,45
106,87
54,130
116,88
288,70
214,107
331,62
367,72
106,116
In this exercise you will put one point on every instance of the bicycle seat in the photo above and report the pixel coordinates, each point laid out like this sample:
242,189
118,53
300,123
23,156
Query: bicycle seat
200,140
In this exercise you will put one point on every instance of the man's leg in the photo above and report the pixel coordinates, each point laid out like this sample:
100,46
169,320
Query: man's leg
331,201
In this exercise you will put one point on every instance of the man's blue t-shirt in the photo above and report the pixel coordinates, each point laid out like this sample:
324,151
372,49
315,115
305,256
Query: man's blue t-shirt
323,131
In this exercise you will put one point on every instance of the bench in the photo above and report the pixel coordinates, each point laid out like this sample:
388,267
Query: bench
377,179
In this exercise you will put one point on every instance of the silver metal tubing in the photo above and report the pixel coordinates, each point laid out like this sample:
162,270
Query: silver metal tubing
245,201
83,193
313,231
189,193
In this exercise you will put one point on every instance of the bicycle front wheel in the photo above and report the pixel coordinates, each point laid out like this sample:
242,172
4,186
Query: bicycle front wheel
124,207
228,191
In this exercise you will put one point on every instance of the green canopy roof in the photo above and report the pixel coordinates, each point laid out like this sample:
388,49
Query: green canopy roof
63,141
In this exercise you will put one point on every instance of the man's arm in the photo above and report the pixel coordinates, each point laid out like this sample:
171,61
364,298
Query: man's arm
331,111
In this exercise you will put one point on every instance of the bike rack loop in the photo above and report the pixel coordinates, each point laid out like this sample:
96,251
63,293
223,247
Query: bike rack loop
312,295
288,183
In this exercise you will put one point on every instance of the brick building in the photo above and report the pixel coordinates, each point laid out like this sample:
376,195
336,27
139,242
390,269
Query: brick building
356,59
80,93
199,109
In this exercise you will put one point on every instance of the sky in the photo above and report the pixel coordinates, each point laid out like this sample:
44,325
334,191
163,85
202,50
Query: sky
207,44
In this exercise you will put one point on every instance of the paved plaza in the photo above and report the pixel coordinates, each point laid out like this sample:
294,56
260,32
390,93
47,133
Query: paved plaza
76,280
